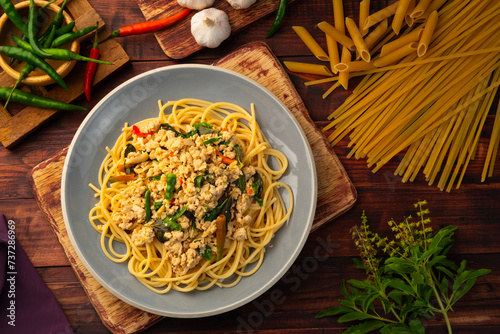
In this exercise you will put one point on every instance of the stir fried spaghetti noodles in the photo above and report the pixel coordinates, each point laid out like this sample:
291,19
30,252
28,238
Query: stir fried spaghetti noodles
192,196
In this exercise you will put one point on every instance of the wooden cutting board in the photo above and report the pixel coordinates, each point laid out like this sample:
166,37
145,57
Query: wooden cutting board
177,41
13,128
256,61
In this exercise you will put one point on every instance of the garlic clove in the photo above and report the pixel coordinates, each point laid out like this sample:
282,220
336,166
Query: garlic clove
241,4
210,27
196,4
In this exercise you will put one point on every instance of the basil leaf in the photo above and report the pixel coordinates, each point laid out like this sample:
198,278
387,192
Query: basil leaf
242,182
207,254
158,205
204,128
167,126
202,178
129,149
211,141
223,207
239,153
257,185
179,213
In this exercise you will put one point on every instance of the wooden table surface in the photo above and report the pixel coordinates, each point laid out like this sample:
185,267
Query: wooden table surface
313,283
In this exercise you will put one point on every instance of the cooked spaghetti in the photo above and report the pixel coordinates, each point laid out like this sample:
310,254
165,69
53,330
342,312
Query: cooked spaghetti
193,196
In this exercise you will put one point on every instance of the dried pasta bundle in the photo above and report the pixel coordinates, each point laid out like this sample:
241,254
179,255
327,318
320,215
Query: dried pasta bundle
431,107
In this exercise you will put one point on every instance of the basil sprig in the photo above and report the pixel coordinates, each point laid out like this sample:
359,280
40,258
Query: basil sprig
409,278
201,128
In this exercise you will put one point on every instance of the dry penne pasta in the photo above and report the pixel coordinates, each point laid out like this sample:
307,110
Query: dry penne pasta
426,37
337,35
344,75
381,15
429,110
364,12
341,67
376,34
357,39
408,19
396,55
311,43
333,52
399,15
357,66
308,68
413,36
338,15
434,5
420,8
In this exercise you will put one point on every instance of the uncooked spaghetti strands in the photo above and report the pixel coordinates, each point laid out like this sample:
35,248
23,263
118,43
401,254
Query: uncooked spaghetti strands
431,109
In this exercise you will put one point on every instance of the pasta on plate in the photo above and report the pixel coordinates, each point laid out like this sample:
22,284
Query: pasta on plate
190,199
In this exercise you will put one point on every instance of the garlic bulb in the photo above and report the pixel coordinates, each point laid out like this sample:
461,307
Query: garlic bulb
210,27
241,4
196,4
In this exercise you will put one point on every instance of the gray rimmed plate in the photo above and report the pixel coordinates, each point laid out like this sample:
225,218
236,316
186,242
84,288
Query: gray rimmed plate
137,99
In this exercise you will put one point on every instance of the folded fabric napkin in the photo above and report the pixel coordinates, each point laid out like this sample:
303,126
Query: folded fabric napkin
26,303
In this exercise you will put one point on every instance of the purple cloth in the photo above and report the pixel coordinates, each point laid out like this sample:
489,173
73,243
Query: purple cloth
26,303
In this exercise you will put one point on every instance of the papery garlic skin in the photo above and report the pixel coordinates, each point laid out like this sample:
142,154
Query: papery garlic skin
241,4
196,4
210,27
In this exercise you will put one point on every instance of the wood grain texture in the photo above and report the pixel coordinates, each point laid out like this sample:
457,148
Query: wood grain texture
177,41
14,128
256,61
117,316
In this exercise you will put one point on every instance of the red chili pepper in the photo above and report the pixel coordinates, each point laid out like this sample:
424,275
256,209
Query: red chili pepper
225,159
138,133
148,26
91,68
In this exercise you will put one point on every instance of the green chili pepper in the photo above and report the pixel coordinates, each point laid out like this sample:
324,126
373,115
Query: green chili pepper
169,189
279,17
30,58
32,30
37,101
14,16
58,54
57,21
66,38
147,204
28,68
66,29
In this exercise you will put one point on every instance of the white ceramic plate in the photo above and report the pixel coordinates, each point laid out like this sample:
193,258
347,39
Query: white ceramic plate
137,99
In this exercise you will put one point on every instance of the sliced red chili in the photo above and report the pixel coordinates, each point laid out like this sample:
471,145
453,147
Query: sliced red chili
225,159
138,133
